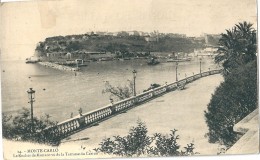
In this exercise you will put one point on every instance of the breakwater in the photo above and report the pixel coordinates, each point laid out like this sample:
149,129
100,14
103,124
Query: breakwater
75,124
58,66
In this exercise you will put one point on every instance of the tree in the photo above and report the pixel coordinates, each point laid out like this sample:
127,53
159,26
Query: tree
237,46
119,92
19,127
74,46
235,98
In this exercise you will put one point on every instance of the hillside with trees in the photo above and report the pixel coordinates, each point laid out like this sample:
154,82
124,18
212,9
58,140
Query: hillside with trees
121,43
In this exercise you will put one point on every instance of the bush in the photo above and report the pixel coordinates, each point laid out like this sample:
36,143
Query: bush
235,98
137,143
20,128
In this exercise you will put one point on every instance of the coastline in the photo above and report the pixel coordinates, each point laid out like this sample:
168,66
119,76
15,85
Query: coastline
58,66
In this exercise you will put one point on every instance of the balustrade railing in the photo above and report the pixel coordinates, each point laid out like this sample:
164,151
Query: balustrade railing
69,126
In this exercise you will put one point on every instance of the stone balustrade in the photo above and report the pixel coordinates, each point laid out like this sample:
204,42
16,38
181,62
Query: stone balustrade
68,127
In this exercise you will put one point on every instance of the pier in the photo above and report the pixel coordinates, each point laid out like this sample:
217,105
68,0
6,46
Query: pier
58,66
81,122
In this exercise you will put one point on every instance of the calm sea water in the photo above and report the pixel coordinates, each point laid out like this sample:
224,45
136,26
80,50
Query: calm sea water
60,93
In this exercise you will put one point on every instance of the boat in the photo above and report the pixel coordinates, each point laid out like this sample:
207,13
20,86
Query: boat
178,59
106,59
31,60
153,61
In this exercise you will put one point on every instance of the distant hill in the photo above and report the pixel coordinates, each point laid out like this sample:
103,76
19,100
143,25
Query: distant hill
120,43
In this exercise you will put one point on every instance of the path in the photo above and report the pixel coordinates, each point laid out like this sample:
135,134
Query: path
183,110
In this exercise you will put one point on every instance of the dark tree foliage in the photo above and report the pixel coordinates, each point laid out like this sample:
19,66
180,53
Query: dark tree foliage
237,46
138,143
235,98
19,128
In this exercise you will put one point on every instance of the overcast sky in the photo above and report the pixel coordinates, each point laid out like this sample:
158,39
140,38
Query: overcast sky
23,24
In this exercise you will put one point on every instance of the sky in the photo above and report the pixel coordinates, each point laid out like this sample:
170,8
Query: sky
24,24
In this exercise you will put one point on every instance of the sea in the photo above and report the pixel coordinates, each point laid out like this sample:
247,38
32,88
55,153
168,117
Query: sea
60,94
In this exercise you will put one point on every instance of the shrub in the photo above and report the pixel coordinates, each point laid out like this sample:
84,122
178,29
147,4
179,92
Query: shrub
137,143
235,98
19,127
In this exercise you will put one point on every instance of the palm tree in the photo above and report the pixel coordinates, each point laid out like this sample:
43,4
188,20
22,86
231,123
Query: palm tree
237,46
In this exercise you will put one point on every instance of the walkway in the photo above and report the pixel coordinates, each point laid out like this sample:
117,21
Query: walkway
182,110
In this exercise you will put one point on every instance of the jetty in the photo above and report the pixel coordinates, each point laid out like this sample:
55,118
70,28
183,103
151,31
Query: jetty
58,66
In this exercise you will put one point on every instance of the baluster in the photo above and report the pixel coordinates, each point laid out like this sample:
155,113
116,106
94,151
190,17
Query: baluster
86,119
90,118
95,116
71,126
106,112
99,115
62,129
65,128
68,129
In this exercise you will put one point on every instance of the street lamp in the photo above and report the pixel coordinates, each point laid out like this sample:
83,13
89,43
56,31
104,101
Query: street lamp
176,71
31,96
200,65
134,76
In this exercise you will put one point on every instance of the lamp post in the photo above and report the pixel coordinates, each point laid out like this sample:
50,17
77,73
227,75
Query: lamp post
31,96
200,65
176,71
134,76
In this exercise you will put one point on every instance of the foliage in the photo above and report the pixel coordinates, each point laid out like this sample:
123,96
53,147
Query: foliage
137,143
19,127
119,92
235,98
134,143
237,46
